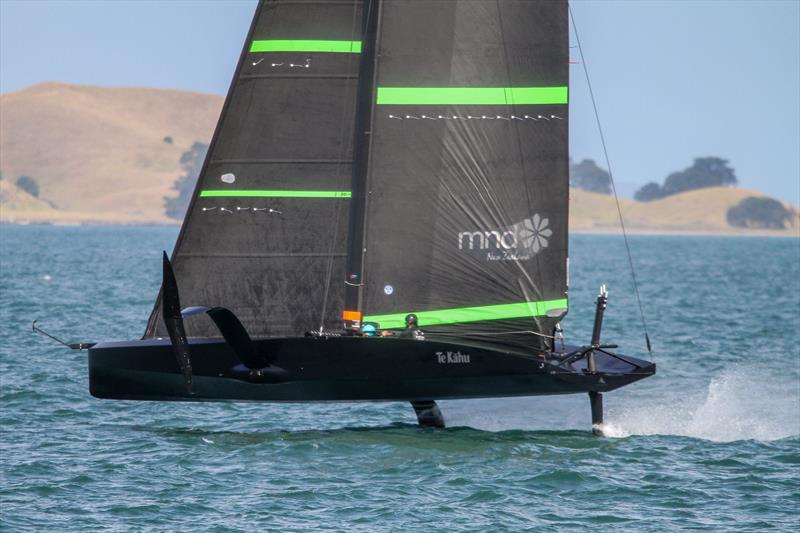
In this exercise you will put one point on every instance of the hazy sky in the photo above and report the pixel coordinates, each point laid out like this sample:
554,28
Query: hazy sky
674,79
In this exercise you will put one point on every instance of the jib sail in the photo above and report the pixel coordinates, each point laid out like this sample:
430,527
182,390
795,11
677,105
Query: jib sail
464,193
265,234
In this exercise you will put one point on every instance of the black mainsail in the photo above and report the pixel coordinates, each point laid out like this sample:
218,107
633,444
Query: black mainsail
466,186
266,230
376,158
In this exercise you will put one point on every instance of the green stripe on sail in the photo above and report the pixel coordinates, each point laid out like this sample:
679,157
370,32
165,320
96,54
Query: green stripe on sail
472,95
283,45
470,314
240,193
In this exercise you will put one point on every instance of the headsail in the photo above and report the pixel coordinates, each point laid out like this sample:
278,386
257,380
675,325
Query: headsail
465,193
265,234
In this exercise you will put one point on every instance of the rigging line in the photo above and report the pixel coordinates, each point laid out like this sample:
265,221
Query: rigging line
342,148
613,185
43,332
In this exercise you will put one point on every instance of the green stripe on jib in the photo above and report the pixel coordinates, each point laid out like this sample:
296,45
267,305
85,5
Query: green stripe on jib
472,95
471,314
298,45
252,193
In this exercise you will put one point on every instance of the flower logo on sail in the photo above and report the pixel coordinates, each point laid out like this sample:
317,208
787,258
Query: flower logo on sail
532,233
517,242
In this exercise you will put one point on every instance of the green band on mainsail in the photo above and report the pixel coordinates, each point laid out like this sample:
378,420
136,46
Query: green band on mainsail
274,194
472,95
470,314
282,45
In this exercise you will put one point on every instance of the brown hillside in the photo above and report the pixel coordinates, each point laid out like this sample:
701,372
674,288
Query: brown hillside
98,154
698,211
100,151
15,199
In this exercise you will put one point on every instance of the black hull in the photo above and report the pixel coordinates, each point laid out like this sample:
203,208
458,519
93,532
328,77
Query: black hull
348,369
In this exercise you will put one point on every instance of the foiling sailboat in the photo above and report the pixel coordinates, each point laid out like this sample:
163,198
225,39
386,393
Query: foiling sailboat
375,159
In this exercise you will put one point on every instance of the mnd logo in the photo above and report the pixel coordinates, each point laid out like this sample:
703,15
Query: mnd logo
518,242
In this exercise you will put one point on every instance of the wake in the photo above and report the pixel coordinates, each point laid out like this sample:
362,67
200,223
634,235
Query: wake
742,402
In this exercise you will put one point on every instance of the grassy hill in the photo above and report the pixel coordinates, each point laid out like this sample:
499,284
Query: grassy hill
698,211
103,155
98,154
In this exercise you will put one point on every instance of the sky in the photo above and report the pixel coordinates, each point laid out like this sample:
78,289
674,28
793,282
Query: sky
673,79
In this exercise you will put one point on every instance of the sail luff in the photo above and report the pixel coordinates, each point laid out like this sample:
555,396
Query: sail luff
152,321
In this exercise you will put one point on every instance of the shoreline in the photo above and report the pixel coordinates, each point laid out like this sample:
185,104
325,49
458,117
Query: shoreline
667,232
653,232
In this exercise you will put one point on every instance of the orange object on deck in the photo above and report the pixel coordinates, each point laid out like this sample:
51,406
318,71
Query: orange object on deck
351,315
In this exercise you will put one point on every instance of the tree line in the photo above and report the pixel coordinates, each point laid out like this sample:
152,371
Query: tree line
703,172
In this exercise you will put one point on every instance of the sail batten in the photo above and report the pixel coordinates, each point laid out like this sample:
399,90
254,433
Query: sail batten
273,194
471,95
305,45
472,314
282,161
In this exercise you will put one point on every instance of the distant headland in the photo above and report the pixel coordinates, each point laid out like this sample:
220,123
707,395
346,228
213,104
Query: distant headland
74,154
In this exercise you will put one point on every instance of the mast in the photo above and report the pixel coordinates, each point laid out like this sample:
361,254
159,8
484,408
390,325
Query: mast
361,149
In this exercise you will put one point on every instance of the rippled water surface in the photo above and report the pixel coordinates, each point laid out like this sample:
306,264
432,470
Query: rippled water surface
712,442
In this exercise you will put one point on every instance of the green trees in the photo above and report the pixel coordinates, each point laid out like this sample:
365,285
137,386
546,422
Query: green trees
755,212
191,163
704,172
651,191
29,185
588,176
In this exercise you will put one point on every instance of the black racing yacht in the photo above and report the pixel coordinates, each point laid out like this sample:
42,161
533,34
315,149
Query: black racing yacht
376,159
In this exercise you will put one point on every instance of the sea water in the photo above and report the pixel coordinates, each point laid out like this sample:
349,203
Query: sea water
712,442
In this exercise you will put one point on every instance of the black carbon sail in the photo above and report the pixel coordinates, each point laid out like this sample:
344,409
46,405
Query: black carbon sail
265,233
464,193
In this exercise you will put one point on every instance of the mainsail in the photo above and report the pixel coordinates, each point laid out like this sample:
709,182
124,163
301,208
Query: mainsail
455,137
265,233
462,202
